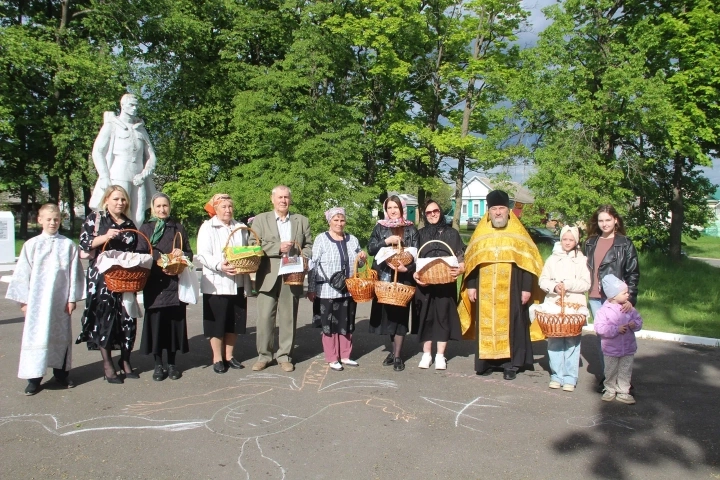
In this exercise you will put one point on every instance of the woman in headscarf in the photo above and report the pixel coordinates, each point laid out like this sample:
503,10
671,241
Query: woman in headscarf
335,251
224,299
165,326
435,313
109,322
389,319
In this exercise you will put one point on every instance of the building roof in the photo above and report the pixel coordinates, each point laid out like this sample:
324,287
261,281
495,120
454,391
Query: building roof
522,194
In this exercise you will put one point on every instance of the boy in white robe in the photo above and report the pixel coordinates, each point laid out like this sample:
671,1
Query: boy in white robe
48,281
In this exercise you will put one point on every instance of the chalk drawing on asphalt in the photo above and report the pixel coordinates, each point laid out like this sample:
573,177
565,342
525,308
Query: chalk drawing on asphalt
596,421
470,414
243,412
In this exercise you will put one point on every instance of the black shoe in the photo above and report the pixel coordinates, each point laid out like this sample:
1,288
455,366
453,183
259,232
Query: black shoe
219,367
115,379
159,373
233,363
64,382
398,364
389,360
32,388
601,386
173,372
509,374
131,373
487,372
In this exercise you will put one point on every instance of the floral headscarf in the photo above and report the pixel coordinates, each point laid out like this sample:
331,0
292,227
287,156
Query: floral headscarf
395,222
334,211
215,201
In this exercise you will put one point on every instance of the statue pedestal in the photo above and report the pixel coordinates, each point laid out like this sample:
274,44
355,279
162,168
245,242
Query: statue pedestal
7,237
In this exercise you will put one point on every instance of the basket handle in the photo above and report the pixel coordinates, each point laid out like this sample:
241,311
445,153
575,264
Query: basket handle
177,235
257,238
357,260
436,241
299,248
130,230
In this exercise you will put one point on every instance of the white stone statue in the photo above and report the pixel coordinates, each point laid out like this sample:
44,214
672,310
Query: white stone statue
123,155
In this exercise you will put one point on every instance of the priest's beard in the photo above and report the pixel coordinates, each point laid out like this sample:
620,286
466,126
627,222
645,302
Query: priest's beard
500,222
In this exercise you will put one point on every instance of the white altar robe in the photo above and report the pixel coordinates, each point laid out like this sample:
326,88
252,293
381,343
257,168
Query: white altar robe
47,277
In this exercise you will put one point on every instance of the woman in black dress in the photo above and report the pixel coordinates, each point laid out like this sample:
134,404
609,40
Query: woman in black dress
165,326
107,323
435,306
389,319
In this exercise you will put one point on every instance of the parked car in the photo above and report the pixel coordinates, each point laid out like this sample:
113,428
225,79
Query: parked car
542,236
472,223
448,219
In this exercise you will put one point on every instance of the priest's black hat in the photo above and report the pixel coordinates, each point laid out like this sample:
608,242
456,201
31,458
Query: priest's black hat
498,198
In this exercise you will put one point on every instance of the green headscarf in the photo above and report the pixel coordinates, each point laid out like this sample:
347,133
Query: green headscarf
159,223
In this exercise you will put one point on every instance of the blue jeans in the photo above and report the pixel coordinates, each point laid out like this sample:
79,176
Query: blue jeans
564,356
595,304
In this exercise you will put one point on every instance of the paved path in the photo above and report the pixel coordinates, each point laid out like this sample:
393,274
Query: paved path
715,262
367,422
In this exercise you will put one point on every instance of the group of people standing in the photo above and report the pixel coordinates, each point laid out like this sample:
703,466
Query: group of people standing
501,264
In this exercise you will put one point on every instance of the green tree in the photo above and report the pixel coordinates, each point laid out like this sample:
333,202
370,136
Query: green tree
57,78
604,93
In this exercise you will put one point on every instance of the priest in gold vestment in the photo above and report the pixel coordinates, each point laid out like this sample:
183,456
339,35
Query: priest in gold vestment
503,265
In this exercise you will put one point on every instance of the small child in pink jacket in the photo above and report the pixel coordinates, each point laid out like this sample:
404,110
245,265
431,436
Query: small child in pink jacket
616,323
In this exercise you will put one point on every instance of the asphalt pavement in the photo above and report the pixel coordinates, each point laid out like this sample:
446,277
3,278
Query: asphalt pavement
365,422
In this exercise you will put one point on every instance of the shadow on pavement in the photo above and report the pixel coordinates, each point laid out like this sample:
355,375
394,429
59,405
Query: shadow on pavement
665,426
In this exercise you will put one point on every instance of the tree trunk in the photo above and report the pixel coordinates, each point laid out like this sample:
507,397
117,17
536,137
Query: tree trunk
420,213
465,129
53,189
677,210
87,193
71,204
24,212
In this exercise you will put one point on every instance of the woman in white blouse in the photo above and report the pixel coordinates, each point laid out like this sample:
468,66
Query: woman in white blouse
224,291
335,251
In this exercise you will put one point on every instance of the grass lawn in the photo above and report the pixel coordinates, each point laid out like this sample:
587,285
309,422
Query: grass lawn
679,298
705,246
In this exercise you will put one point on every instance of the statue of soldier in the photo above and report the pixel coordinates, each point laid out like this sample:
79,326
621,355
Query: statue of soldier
123,155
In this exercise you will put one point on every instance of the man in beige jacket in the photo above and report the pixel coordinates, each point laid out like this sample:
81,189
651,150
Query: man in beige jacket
280,233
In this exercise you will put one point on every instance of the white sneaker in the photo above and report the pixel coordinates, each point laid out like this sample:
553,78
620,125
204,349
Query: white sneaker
349,363
440,362
337,366
425,361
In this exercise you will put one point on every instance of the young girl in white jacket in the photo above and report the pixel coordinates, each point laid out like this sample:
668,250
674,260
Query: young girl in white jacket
565,273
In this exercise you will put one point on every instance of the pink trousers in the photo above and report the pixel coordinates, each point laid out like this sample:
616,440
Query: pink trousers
336,346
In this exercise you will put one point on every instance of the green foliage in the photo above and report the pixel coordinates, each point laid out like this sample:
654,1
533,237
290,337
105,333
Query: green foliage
623,103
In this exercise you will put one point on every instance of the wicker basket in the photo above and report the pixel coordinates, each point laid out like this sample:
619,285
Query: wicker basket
121,280
362,285
243,262
393,293
297,278
176,265
436,272
401,257
560,324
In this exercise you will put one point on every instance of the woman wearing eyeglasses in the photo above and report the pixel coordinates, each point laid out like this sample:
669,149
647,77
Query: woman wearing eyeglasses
435,306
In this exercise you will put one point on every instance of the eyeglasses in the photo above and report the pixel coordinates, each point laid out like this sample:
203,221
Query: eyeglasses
432,212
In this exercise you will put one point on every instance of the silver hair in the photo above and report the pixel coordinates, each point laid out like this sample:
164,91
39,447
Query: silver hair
281,187
159,195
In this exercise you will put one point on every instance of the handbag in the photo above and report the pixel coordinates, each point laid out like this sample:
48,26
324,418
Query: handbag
337,281
188,288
